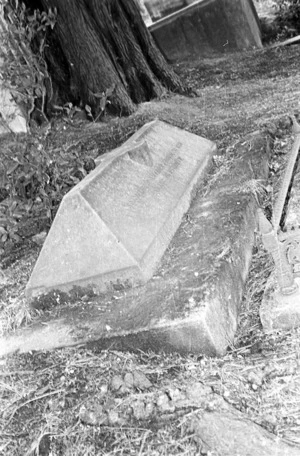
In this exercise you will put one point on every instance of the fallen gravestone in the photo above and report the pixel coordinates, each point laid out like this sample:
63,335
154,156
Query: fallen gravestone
112,229
192,302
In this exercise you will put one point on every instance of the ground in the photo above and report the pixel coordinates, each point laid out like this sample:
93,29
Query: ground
78,401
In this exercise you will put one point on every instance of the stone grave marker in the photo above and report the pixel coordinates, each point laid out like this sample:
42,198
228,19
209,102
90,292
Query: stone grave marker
112,229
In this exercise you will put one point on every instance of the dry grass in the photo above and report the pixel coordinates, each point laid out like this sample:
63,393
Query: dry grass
14,309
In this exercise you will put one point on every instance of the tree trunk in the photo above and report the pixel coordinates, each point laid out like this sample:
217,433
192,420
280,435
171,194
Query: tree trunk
106,43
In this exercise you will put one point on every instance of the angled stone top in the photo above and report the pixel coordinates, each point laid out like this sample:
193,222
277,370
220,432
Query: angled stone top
112,229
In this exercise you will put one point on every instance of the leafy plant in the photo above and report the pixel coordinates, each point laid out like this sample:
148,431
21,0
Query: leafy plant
32,184
288,17
24,70
103,98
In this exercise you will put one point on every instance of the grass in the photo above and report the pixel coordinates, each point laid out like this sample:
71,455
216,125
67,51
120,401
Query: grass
77,401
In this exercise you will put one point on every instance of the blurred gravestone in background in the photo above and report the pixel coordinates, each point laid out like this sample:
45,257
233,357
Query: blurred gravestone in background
205,26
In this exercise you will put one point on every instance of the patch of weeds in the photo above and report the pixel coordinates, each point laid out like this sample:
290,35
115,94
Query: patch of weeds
287,18
49,301
54,298
14,313
24,70
14,309
33,182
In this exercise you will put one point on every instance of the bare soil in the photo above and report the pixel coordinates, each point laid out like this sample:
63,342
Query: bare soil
79,401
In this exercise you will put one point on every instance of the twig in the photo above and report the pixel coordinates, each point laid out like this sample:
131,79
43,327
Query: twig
8,374
143,442
31,400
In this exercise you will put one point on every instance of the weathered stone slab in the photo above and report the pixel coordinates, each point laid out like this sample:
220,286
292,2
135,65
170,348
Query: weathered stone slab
112,229
192,302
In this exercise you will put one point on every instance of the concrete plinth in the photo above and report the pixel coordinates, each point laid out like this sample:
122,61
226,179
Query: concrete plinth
112,229
280,311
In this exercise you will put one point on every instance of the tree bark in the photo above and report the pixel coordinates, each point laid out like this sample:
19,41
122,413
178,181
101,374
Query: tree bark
106,43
